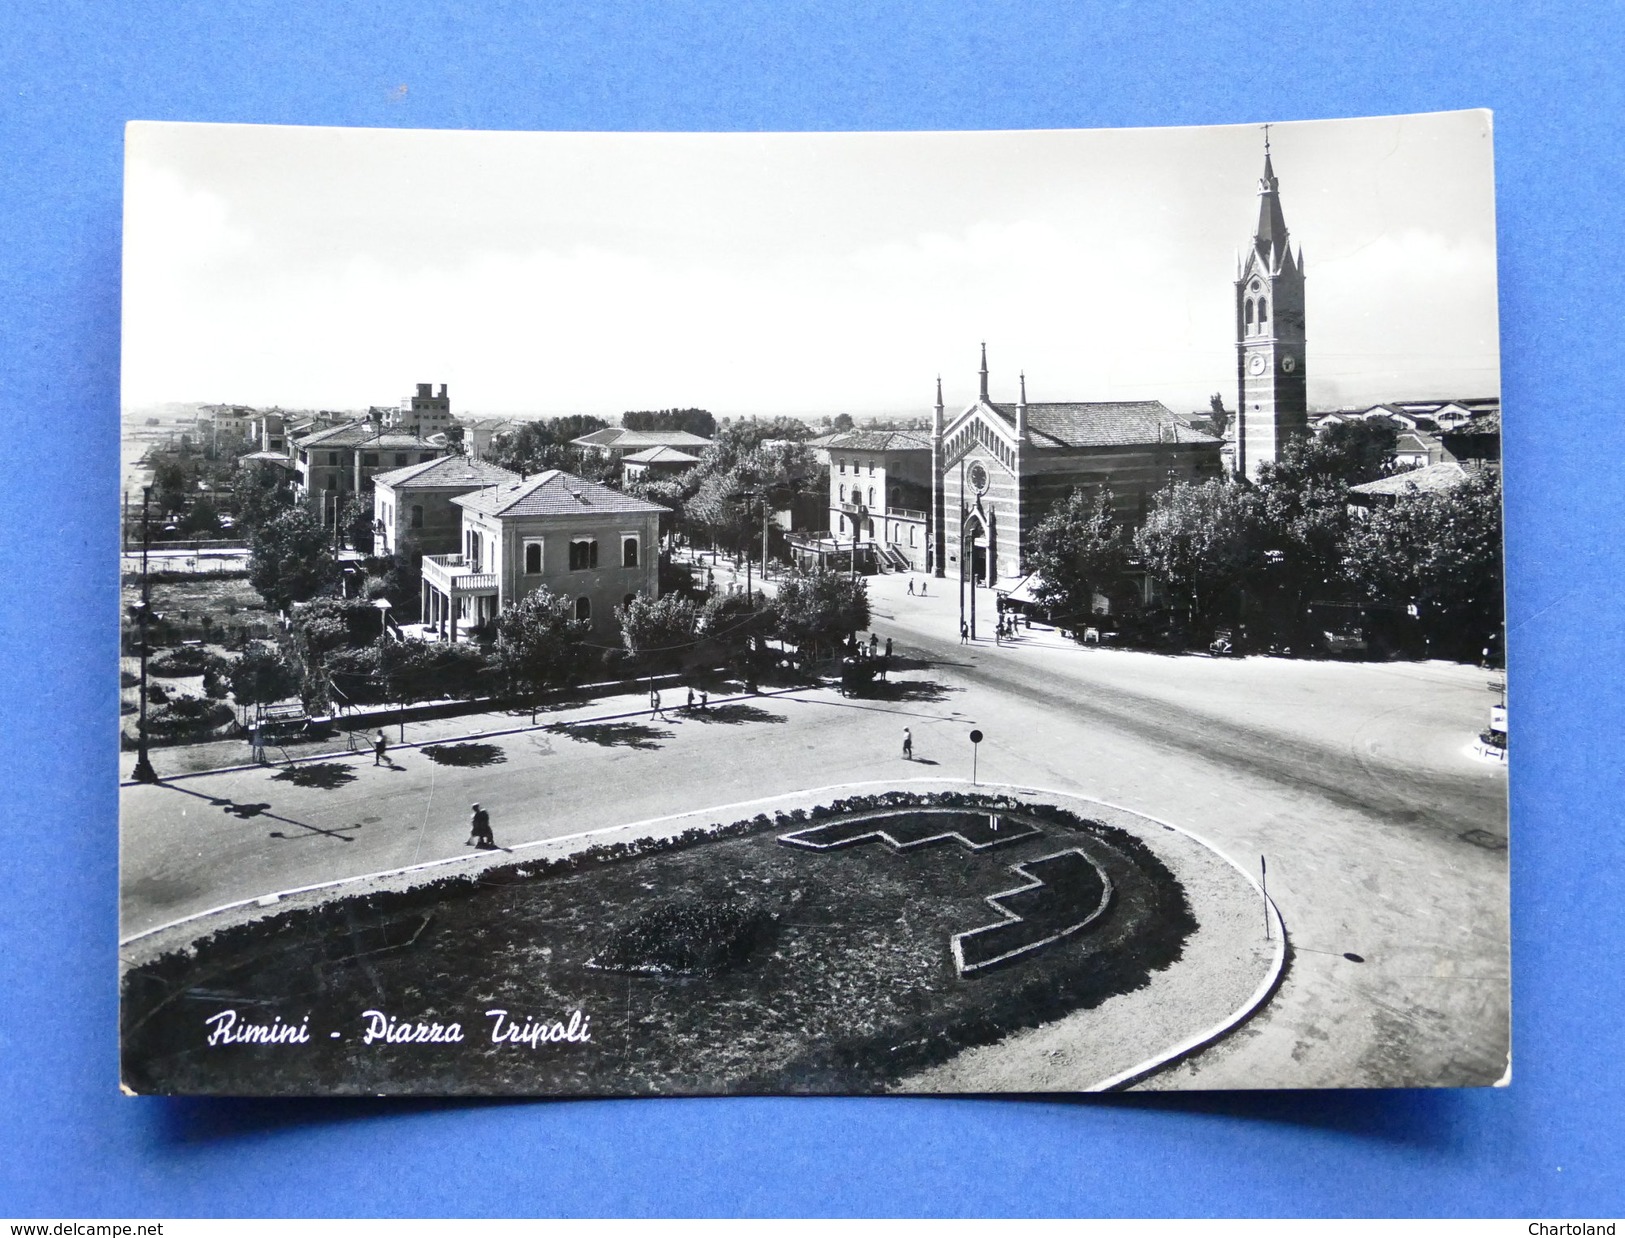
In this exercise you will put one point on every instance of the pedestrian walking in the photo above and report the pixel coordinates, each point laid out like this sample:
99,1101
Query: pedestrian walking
654,705
923,584
705,700
874,643
908,744
479,831
691,698
888,649
911,586
964,632
380,750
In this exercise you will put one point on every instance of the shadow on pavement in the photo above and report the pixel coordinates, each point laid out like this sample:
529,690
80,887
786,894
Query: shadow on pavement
465,756
617,734
733,715
323,776
246,811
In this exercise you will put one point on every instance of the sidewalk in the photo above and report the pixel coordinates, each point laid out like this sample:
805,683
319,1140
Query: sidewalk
185,760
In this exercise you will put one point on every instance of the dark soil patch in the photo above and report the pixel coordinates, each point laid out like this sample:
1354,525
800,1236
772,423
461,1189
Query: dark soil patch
466,756
322,775
743,965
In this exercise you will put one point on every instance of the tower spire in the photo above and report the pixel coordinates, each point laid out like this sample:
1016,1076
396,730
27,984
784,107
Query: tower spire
1271,230
984,370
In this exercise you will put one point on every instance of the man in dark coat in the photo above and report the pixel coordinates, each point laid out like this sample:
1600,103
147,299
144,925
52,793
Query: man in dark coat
479,830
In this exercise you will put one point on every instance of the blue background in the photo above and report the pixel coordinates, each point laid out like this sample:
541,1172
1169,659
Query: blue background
72,74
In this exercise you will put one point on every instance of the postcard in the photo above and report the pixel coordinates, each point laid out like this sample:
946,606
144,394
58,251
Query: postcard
626,614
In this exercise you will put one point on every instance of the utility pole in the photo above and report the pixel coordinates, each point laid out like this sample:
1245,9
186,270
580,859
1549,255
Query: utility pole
143,765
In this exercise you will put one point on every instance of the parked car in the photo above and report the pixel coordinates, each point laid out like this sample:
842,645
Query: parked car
1224,644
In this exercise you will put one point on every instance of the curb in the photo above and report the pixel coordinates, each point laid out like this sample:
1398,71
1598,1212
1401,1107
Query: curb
1123,1079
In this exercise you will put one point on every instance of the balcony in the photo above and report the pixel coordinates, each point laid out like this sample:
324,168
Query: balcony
455,576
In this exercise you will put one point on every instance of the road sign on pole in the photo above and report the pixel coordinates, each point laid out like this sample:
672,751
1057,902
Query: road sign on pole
975,743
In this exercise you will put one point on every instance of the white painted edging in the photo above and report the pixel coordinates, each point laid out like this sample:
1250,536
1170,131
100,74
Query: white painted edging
1122,1079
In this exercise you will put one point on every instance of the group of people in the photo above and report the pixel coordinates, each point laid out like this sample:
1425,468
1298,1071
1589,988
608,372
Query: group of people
700,699
923,584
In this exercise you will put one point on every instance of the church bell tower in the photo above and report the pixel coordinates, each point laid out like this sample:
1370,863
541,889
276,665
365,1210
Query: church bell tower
1273,385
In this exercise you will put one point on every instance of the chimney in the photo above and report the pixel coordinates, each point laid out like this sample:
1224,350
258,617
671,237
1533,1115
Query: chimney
1021,411
443,394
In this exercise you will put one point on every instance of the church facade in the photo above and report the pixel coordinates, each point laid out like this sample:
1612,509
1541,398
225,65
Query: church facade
998,467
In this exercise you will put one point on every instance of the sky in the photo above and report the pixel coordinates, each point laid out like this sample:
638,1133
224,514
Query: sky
808,274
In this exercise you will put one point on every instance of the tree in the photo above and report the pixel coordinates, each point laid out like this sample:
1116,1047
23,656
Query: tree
1077,551
660,630
262,676
1219,416
1439,552
356,522
734,624
203,518
401,582
539,644
1203,539
260,493
290,558
692,420
841,423
1344,455
820,609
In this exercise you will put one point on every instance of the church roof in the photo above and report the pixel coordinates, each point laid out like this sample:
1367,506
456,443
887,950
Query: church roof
1116,423
879,440
1271,230
553,493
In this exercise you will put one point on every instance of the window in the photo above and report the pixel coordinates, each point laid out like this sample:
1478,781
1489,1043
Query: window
1249,315
629,552
871,468
841,524
369,457
417,515
400,458
332,483
843,466
332,457
533,558
871,495
583,556
843,492
584,608
911,531
1263,313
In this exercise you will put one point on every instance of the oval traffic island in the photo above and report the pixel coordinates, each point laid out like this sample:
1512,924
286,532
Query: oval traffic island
937,938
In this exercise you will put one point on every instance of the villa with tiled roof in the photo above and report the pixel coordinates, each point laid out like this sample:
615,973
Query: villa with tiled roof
412,507
584,541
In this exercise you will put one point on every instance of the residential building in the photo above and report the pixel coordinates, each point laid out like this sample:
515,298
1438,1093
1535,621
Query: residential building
653,463
412,507
423,414
331,465
584,541
879,494
617,442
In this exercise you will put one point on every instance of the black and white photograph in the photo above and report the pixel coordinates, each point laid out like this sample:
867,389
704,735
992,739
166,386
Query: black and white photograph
634,614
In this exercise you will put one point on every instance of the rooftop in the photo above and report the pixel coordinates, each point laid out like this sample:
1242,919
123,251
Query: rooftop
444,473
552,493
1131,423
661,455
1433,479
355,433
880,440
631,440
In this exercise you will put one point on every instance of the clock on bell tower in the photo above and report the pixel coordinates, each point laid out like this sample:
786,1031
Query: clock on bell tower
1273,403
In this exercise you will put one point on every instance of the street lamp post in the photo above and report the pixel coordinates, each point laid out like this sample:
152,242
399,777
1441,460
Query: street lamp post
858,518
143,764
967,567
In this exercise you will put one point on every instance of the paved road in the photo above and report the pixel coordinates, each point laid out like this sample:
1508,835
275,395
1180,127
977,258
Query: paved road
1354,780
